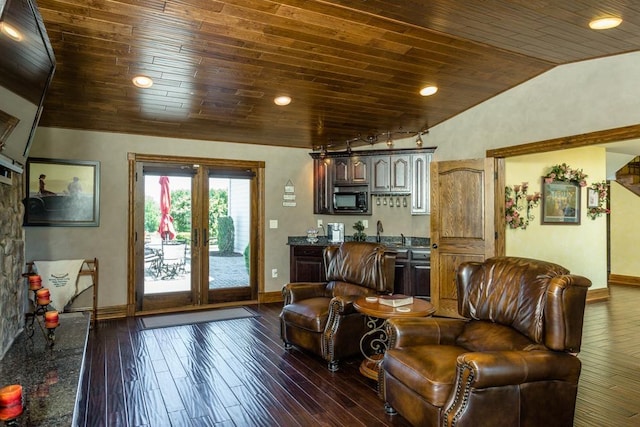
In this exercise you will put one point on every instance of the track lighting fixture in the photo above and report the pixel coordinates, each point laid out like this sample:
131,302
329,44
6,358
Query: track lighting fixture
374,138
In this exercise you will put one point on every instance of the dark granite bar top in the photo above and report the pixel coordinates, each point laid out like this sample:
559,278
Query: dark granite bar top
394,241
49,375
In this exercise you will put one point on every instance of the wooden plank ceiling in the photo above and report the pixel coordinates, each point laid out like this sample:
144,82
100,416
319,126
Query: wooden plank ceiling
352,67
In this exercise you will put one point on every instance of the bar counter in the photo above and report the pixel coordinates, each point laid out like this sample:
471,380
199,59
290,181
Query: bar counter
49,375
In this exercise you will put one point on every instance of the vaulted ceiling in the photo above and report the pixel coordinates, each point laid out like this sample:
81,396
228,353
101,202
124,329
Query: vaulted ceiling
353,68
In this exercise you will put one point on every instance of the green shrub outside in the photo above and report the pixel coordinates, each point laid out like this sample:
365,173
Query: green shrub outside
226,234
246,258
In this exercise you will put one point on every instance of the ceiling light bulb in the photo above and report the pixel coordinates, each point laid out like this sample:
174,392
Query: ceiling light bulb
142,81
419,140
604,23
10,31
282,100
389,140
428,90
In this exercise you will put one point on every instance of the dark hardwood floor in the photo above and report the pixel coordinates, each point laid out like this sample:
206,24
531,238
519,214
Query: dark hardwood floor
236,373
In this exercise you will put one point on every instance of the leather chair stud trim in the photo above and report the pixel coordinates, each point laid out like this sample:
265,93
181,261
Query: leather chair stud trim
465,376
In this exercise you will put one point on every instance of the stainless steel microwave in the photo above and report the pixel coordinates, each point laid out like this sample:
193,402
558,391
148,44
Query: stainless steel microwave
350,201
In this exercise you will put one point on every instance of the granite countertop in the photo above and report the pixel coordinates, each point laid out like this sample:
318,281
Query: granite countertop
391,241
49,375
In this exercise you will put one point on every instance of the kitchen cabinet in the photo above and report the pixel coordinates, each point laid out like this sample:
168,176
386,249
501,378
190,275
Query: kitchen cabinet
402,280
382,172
352,170
413,269
420,272
420,193
322,186
306,264
391,174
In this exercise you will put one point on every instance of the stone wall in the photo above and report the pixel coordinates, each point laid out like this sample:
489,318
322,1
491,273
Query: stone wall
12,288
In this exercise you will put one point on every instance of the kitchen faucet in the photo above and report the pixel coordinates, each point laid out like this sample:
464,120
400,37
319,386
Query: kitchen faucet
378,230
403,241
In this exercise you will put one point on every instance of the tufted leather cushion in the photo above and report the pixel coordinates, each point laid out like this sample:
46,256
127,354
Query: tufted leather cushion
367,264
428,370
496,292
488,336
310,314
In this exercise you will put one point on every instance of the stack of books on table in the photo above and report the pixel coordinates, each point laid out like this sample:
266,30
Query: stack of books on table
396,300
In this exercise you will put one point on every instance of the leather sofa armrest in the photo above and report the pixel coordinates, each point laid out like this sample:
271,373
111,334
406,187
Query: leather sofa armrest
293,292
410,331
501,368
343,304
502,373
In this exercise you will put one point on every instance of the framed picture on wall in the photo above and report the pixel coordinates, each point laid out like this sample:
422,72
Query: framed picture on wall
62,193
560,202
593,198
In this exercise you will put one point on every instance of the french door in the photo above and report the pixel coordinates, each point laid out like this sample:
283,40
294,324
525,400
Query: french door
196,232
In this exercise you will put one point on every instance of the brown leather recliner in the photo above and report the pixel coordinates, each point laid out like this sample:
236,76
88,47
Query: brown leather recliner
320,317
511,362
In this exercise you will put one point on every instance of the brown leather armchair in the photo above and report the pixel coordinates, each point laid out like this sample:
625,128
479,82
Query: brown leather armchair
320,317
511,362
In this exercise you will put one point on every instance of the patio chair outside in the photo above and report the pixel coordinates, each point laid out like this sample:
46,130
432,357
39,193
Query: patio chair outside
174,259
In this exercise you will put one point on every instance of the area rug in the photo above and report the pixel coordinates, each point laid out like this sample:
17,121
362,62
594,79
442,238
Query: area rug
166,320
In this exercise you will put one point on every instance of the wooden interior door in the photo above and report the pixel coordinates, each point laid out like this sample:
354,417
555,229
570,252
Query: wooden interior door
462,224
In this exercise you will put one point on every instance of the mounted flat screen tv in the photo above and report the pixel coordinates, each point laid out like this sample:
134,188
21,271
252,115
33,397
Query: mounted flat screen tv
27,65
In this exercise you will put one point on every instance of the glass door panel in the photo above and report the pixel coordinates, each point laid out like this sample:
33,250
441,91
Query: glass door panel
229,234
167,238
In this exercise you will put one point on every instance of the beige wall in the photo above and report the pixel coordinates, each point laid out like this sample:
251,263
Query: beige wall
568,100
108,242
580,248
625,231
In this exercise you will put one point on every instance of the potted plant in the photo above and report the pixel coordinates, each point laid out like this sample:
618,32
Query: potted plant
359,235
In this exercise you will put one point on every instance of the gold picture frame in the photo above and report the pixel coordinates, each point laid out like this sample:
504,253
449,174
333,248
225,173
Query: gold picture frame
560,202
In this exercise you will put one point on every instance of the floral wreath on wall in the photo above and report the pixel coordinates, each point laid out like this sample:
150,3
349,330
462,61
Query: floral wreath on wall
517,200
564,173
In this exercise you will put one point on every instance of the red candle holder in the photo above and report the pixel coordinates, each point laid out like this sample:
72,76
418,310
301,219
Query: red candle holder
51,316
43,293
43,301
11,406
35,282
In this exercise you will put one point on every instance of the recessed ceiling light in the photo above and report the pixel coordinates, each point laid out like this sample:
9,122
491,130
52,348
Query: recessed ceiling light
10,31
142,81
428,90
605,23
282,100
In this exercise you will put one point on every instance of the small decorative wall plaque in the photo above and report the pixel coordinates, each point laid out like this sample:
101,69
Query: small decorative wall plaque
289,197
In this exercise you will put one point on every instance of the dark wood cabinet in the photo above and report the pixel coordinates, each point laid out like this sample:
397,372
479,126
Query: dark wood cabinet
421,279
420,272
402,172
402,280
322,186
413,273
351,170
307,264
412,268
